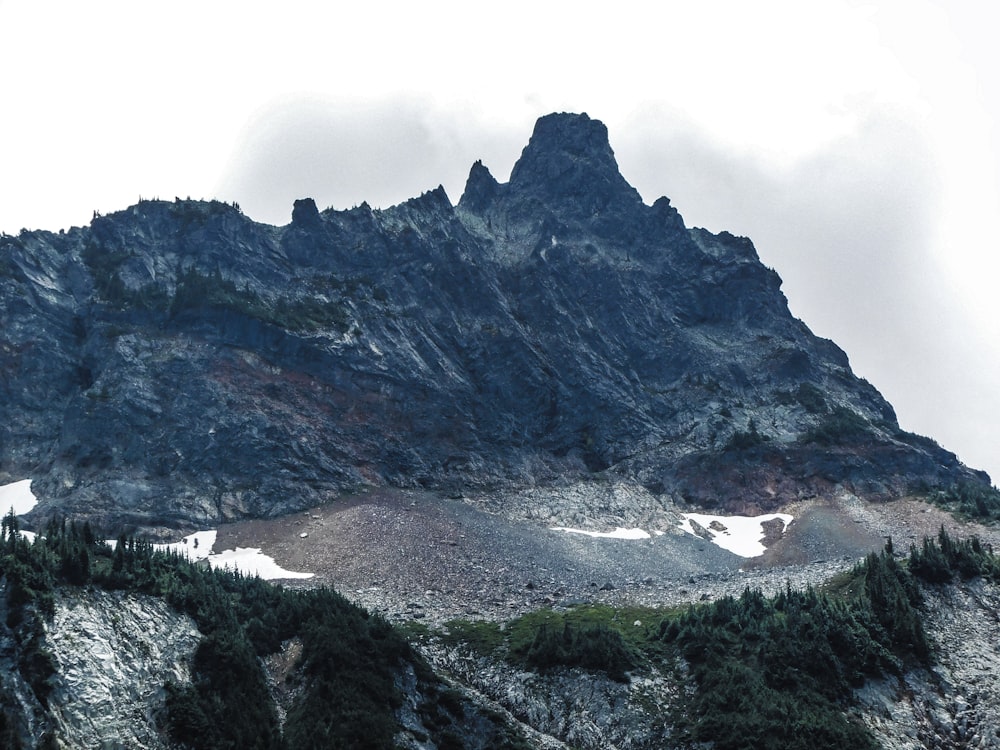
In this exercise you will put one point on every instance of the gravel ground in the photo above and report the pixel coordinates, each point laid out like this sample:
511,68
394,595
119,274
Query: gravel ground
415,555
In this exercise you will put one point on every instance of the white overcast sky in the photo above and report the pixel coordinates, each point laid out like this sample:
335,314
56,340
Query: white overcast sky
856,143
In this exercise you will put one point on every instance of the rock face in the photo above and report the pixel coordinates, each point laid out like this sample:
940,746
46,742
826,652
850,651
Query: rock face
111,654
957,703
177,364
114,654
571,707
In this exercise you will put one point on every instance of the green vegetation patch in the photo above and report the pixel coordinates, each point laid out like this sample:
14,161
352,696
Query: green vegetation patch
945,559
595,638
198,291
778,672
305,314
745,440
969,499
346,679
841,426
806,395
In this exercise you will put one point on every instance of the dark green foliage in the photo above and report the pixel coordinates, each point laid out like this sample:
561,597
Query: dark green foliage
939,561
349,658
188,721
811,398
597,648
776,672
842,425
104,263
194,214
893,596
305,314
970,499
29,579
36,663
595,638
198,291
228,704
347,693
741,440
808,396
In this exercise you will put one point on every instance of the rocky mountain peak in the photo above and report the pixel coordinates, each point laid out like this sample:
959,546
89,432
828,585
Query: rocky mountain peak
481,188
569,161
199,366
305,214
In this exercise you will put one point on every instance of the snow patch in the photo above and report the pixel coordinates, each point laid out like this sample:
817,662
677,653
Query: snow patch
196,546
250,561
18,497
741,535
618,533
247,560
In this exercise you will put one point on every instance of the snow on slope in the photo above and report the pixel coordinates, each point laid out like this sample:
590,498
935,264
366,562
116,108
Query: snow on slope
618,533
247,560
18,497
741,535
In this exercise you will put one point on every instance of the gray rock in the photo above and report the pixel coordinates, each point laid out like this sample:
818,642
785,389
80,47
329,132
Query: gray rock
177,365
112,654
957,704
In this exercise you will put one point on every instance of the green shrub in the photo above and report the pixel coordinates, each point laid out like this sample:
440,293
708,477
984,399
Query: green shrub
776,672
811,398
840,426
741,440
596,638
595,649
972,499
304,314
940,560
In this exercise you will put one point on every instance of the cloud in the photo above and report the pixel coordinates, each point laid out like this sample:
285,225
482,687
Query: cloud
342,152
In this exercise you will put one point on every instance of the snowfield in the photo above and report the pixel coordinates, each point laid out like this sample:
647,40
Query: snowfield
618,533
196,546
18,497
247,560
741,535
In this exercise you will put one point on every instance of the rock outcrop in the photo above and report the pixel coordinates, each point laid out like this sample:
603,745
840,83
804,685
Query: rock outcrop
111,655
574,708
177,365
956,704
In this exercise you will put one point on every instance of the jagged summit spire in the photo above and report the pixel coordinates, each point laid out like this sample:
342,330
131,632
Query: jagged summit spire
566,134
480,188
569,156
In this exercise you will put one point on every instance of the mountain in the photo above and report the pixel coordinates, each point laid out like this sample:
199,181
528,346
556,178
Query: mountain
175,364
437,384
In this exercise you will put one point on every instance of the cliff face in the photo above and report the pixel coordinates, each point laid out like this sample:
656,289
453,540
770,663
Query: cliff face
177,364
111,655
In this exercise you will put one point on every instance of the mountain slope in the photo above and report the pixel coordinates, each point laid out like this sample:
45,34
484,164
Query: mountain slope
177,364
